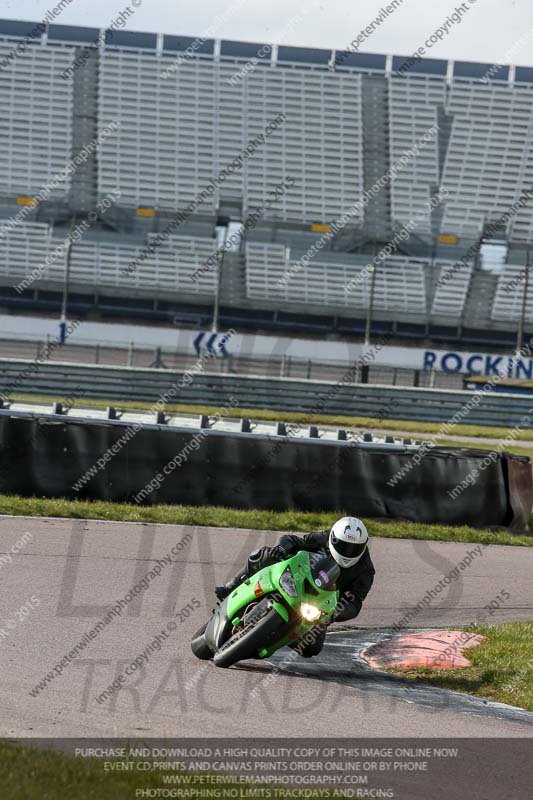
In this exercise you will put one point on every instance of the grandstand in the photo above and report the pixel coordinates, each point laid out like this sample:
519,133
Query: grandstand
37,107
180,120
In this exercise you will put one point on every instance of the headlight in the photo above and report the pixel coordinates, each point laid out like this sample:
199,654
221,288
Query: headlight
309,612
287,583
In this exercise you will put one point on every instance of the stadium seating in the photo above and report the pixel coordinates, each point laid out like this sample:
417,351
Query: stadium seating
103,264
272,273
171,142
451,289
24,249
319,144
36,106
169,268
509,294
413,111
487,162
184,118
162,154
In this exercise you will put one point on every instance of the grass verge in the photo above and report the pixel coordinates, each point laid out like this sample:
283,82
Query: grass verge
405,425
219,517
502,666
27,773
518,451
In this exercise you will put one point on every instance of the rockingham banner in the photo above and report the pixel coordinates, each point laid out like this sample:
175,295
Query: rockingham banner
456,361
511,366
182,340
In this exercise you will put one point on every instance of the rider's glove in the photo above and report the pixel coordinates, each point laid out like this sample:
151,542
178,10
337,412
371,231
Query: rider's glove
278,553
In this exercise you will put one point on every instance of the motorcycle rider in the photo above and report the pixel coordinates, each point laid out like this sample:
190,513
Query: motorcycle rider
347,543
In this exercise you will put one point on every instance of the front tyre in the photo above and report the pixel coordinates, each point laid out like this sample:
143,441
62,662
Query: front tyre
199,646
247,642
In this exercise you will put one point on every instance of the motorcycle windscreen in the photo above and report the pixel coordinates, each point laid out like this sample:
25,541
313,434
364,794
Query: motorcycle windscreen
324,570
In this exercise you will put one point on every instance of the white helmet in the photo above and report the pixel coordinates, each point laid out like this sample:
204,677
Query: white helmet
347,541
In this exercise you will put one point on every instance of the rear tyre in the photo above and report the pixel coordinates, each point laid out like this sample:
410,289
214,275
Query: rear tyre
252,638
199,645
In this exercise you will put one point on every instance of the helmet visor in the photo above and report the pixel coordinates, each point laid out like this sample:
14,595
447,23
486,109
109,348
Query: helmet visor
348,549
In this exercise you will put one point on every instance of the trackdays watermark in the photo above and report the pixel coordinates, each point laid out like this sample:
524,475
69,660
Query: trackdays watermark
116,610
154,645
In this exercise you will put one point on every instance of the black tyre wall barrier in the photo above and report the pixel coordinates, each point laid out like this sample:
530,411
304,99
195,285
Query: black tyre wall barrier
64,457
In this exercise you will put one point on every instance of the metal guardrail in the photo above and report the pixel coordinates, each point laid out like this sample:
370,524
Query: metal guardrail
117,385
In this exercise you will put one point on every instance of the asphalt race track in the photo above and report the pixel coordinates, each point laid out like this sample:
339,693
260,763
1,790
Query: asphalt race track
57,582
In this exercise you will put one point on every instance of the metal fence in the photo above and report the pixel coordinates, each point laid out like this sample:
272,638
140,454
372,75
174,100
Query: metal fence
205,388
272,367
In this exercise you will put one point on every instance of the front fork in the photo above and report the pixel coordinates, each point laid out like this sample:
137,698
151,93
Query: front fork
298,631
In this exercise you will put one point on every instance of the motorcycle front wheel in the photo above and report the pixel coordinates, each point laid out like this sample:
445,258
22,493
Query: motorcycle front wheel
199,646
247,642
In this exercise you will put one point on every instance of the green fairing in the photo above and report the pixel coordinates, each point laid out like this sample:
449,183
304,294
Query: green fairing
268,580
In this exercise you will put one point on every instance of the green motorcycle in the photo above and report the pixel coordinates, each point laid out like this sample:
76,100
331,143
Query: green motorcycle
274,608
